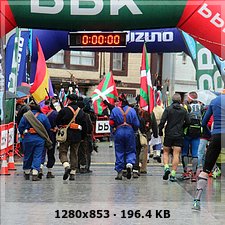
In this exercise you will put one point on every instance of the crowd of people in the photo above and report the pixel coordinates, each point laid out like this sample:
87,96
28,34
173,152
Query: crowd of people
190,129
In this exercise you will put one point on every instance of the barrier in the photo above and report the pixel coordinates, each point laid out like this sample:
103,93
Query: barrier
3,139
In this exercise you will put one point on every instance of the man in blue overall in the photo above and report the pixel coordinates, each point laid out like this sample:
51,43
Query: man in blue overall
33,142
124,122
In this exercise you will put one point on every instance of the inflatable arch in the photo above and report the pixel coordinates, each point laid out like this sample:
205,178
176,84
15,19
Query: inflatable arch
157,40
202,19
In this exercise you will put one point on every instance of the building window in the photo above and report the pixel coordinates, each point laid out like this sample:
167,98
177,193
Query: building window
58,58
119,63
82,58
74,60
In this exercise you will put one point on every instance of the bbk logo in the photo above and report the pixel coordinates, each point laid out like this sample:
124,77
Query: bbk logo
150,36
77,9
216,19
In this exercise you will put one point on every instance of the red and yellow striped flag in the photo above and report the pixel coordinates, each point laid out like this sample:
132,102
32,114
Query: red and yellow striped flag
40,87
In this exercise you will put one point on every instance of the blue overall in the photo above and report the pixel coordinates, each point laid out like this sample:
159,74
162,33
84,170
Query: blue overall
33,144
124,137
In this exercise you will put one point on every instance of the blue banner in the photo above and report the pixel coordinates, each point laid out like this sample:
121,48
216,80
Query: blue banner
191,46
157,40
220,64
23,43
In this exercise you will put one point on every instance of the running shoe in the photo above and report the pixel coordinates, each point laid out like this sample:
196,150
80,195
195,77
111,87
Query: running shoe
166,174
196,205
210,174
185,176
173,179
216,173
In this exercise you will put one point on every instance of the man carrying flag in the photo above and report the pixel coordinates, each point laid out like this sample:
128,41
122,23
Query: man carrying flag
106,90
146,105
146,90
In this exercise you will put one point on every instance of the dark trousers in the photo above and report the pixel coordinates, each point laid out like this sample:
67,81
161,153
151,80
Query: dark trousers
217,142
50,155
82,153
63,151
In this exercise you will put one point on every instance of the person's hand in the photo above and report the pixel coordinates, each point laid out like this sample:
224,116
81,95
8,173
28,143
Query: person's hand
104,98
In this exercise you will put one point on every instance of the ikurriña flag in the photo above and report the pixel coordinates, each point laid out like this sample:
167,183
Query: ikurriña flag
106,90
146,88
40,87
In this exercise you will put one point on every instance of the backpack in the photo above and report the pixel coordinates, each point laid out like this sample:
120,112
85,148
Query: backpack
195,116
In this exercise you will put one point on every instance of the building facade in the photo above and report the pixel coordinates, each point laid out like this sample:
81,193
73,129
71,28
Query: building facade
86,69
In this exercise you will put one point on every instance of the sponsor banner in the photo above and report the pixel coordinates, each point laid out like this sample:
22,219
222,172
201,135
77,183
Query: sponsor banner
11,65
220,64
102,127
192,49
206,23
207,74
191,46
97,14
7,18
157,40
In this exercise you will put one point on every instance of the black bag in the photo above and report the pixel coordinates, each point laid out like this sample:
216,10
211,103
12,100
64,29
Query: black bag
194,129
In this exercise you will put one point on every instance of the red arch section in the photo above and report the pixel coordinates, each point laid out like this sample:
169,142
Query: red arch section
6,17
205,22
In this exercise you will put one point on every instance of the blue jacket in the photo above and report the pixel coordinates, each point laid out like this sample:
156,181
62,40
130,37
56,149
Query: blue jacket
217,109
24,124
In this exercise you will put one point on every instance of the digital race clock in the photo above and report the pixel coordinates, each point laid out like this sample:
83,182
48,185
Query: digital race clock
96,39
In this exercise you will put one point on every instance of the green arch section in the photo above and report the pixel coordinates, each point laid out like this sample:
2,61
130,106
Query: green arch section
106,15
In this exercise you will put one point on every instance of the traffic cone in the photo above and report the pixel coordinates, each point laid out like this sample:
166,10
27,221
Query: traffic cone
4,167
11,164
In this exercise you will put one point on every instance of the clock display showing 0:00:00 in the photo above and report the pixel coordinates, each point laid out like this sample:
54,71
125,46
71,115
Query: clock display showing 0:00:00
101,39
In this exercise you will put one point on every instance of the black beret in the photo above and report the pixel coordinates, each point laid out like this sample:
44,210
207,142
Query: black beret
72,97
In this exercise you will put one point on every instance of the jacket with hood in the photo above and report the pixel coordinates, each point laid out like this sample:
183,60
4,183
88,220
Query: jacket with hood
177,119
